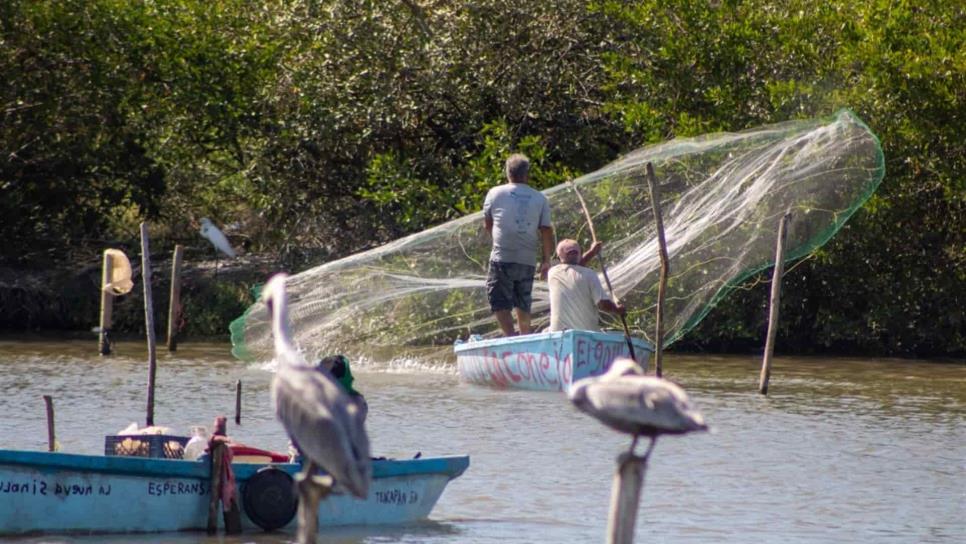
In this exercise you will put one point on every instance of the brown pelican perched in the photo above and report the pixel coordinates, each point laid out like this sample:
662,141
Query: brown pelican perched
320,418
626,400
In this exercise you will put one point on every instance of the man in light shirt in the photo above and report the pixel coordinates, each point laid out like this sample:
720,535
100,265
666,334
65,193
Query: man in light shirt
575,291
517,216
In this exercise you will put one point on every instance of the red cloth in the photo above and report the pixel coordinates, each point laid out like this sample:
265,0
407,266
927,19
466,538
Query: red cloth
228,485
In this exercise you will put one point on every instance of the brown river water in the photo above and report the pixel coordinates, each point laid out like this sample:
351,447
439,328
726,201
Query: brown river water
841,450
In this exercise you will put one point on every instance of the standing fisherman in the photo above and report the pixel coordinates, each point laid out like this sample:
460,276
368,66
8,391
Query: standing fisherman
517,217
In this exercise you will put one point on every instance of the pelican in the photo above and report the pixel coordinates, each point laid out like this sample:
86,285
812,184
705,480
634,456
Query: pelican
216,237
321,419
626,400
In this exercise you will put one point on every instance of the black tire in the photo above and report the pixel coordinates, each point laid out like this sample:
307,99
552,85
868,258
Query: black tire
269,498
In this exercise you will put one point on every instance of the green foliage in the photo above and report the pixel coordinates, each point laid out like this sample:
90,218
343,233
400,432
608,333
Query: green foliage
328,127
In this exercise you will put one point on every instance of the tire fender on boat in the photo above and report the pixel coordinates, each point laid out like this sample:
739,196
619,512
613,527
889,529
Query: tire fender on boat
269,498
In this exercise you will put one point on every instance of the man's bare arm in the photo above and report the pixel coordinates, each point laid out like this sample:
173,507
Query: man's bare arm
546,235
488,223
591,253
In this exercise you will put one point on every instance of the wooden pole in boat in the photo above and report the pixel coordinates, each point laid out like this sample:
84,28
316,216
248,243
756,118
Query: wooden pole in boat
662,283
773,304
238,402
603,269
625,498
148,319
107,305
51,436
174,306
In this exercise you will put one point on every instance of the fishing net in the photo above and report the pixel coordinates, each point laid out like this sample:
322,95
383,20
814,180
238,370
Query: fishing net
723,196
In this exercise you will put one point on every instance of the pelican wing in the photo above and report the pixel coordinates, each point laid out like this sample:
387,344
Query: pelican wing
642,405
325,423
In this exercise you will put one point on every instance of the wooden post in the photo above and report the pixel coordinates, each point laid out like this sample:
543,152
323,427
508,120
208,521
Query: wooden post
238,402
625,498
51,436
148,319
776,292
107,306
174,307
662,284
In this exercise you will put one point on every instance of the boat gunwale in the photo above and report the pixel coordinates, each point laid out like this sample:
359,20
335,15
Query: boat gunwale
541,336
452,466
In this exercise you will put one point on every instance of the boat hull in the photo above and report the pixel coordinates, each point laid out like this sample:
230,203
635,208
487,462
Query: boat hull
546,361
64,493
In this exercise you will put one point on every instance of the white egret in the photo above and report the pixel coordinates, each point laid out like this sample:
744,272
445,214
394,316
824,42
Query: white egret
626,400
216,237
323,422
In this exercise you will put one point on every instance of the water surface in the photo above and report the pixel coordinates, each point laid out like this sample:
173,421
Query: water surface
841,450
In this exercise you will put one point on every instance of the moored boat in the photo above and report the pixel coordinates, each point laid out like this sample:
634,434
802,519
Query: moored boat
544,361
43,492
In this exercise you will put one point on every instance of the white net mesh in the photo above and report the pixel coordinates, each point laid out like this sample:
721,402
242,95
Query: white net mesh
723,196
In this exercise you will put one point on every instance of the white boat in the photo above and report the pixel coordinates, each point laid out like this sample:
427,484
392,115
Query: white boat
544,361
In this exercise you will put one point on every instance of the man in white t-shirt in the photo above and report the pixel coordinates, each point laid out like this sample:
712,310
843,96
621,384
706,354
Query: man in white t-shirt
517,216
575,291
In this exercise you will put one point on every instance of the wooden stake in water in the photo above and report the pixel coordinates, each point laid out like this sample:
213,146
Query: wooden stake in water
174,306
51,436
238,402
107,305
662,284
773,304
148,319
625,498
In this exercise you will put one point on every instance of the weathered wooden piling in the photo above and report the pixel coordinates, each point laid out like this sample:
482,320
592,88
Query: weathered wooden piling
174,306
148,319
107,305
238,402
655,190
625,498
51,435
774,302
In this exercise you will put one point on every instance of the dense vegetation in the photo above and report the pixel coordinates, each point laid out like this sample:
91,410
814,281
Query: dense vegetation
324,127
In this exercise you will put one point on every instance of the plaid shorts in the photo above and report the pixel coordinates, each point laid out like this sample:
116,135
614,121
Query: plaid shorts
508,285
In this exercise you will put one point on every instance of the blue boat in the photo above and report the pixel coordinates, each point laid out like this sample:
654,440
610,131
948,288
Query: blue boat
545,361
44,492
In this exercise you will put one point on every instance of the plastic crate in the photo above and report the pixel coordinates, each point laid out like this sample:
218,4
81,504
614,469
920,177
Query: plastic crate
165,446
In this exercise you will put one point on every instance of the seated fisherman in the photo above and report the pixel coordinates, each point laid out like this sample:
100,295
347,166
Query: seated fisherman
338,367
575,291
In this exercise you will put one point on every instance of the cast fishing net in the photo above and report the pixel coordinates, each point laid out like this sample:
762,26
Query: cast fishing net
722,197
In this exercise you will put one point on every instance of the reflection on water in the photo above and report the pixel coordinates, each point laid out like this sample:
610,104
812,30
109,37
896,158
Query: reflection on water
842,450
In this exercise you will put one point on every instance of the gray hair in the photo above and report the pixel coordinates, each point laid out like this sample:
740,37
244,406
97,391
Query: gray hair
517,168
